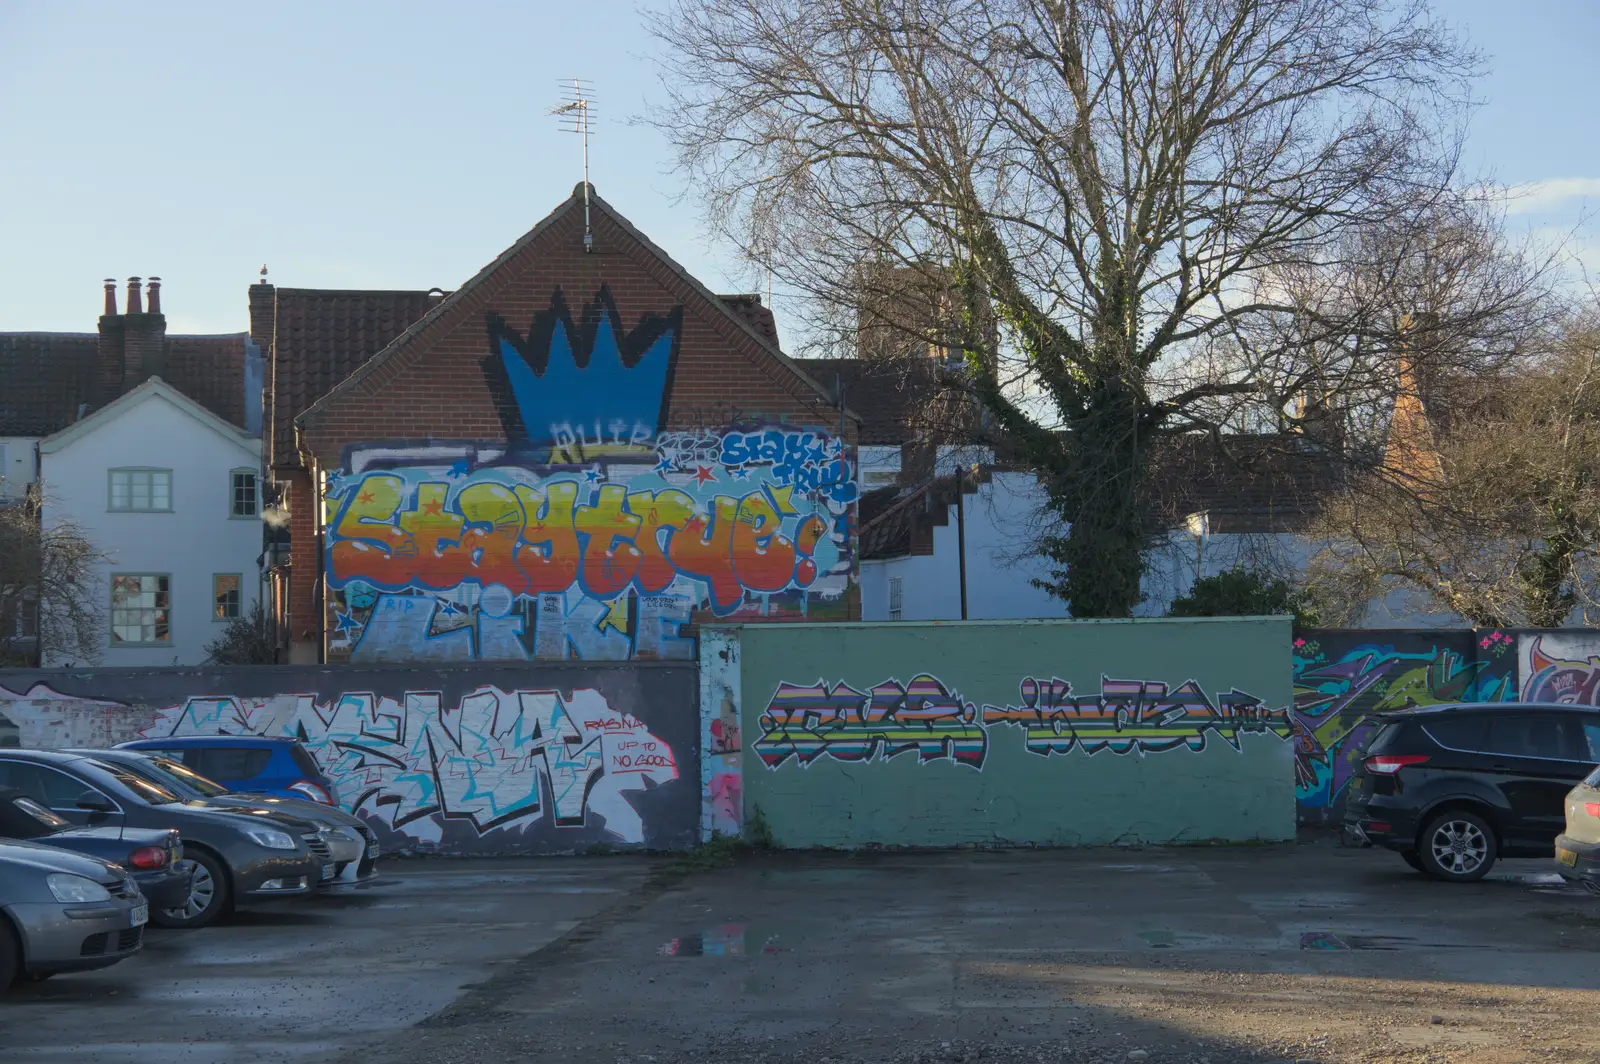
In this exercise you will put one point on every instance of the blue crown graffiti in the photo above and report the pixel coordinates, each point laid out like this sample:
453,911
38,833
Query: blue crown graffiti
585,385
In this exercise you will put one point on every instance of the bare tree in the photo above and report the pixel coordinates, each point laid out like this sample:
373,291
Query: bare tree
1138,217
47,572
1492,513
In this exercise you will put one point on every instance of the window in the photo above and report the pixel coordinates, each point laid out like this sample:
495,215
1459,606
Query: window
44,785
1591,737
141,609
225,593
896,598
1458,733
242,483
227,762
136,490
1527,735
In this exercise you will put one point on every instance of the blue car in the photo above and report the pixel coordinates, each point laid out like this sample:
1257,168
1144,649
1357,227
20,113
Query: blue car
251,764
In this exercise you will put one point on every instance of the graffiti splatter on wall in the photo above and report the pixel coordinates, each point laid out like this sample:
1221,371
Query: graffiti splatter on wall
1344,677
591,532
473,761
1029,733
805,722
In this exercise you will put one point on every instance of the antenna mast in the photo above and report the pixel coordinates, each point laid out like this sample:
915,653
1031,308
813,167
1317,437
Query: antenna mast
574,115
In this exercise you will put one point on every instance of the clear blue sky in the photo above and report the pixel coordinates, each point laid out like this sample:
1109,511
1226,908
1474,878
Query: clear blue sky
403,145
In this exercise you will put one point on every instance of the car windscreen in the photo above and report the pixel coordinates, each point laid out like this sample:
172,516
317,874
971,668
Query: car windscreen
23,818
151,772
175,772
1593,779
146,790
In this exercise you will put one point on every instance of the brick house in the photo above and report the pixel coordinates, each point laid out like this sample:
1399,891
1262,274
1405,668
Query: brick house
580,453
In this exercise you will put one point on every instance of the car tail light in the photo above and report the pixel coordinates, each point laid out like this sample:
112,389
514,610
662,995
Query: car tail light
1389,764
1592,808
151,857
314,791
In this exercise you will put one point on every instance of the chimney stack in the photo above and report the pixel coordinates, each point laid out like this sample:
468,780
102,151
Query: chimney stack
111,297
153,294
135,304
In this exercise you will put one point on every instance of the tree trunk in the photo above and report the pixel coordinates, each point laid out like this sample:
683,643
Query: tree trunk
1103,551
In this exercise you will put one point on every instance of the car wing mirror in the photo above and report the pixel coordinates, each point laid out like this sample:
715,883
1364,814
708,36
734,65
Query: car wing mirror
95,802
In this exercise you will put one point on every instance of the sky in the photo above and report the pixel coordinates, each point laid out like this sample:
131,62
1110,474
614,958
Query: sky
389,144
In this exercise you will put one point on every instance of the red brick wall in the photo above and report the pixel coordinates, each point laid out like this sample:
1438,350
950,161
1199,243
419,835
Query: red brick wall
436,386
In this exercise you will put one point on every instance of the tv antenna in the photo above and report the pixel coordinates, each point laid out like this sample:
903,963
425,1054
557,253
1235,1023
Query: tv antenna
574,114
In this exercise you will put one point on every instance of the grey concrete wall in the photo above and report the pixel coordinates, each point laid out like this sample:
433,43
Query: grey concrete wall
472,760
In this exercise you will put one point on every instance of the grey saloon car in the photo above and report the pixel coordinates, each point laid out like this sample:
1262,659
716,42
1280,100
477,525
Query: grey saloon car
351,843
236,856
64,912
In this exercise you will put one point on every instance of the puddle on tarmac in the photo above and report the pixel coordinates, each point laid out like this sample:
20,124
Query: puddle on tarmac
1339,940
819,875
729,940
1160,938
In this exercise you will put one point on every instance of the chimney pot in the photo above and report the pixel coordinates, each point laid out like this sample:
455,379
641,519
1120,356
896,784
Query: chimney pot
111,296
135,303
153,295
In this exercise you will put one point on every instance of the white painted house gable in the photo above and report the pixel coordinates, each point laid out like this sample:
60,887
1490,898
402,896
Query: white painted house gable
171,494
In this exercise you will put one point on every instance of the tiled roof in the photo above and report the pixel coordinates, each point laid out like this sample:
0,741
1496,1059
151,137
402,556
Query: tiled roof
898,400
321,336
209,370
44,379
751,311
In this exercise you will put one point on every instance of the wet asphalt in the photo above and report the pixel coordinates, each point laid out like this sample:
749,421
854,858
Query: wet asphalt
1287,953
315,977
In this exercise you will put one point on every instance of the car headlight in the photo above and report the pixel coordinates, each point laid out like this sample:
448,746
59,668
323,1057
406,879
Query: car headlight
71,888
272,840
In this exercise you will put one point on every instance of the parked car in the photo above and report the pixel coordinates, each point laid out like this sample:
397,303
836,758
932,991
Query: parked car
235,856
248,764
64,912
1453,788
1578,848
150,855
352,844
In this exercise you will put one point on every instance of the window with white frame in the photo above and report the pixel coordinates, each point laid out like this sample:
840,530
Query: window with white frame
136,490
896,598
242,493
141,609
225,591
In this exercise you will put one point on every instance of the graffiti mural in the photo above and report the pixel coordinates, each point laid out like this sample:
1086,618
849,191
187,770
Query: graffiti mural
591,533
1561,667
487,761
805,722
1343,678
471,763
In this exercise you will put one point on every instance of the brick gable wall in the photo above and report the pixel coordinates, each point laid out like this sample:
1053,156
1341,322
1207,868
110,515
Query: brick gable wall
436,386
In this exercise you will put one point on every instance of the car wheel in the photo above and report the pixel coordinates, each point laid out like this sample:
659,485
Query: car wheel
10,956
208,894
1410,857
1457,846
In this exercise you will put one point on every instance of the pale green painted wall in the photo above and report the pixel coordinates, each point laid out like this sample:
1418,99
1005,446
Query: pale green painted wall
1019,797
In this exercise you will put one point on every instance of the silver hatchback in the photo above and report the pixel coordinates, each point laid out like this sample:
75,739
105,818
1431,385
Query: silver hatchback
64,912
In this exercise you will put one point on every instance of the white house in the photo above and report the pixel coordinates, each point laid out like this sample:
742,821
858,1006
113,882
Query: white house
171,494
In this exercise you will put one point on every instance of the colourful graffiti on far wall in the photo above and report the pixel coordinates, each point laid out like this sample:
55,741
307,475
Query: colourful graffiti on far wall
1345,677
807,721
591,533
497,758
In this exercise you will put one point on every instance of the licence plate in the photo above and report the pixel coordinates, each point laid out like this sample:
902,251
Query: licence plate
372,850
138,916
327,871
1567,857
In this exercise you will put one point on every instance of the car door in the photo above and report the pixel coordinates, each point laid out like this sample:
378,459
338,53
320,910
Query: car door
1533,759
58,791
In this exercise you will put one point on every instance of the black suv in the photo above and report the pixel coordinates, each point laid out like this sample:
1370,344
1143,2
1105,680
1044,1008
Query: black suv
1452,788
